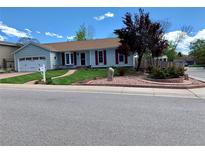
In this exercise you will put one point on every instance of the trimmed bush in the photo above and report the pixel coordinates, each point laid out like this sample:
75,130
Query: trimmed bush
167,73
122,71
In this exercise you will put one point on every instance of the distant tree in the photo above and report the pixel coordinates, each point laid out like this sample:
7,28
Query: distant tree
198,51
170,52
27,40
84,33
181,35
81,33
179,54
140,35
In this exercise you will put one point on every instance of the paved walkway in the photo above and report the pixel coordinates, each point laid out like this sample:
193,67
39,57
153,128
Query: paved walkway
8,75
66,74
181,93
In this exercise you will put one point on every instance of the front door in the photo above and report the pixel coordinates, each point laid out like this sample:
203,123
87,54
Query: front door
82,58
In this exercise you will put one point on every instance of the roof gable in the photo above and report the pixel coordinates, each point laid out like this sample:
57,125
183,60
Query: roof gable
34,44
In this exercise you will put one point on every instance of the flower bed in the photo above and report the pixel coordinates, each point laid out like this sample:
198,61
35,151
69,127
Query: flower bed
163,74
139,81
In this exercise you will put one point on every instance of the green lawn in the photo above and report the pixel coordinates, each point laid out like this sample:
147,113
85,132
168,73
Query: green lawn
81,75
34,76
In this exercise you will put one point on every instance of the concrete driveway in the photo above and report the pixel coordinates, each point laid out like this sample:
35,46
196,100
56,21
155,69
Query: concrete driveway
8,75
197,73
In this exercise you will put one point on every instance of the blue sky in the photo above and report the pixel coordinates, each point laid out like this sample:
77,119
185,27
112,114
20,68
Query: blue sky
58,24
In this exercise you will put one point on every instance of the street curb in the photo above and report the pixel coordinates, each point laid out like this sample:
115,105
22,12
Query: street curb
142,86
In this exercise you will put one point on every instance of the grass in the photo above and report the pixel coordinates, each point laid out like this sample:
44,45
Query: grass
89,74
81,75
33,76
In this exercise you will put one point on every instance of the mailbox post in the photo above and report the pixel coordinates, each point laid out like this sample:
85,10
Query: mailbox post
43,72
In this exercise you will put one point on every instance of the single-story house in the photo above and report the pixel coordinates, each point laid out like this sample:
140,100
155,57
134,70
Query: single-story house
89,53
6,56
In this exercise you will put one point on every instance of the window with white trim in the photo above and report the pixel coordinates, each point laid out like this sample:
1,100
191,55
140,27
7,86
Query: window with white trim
69,58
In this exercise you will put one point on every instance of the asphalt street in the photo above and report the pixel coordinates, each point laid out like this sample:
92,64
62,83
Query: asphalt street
197,72
46,117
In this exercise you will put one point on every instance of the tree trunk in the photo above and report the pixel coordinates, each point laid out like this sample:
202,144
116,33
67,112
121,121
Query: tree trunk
139,62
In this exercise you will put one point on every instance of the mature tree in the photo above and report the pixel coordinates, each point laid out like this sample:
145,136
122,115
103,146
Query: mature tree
27,40
165,24
140,35
170,52
157,43
84,33
198,51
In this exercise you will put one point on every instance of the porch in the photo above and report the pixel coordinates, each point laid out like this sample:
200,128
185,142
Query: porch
73,59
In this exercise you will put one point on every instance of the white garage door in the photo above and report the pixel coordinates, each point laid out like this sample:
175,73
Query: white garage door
31,64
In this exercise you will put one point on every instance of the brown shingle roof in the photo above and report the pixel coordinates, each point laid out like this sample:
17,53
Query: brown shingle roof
82,45
8,43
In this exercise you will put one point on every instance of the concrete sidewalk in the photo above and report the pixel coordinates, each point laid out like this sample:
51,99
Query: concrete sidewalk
182,93
9,75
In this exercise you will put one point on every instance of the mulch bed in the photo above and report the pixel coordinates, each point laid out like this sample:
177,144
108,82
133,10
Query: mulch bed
140,81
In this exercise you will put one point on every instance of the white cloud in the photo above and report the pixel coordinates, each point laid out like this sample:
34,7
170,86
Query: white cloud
28,30
12,32
38,32
109,14
53,35
70,37
106,15
184,45
2,38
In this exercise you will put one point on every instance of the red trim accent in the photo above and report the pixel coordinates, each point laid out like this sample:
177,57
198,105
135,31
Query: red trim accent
116,57
126,59
96,57
105,58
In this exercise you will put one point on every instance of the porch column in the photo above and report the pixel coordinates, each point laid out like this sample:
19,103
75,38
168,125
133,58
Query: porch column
90,58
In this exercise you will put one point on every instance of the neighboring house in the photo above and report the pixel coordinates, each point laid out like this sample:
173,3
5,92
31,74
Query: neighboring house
185,60
89,53
161,58
6,56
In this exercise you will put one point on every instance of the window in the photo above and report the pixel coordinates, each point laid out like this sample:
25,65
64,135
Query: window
100,53
29,58
69,58
121,57
42,58
21,59
35,58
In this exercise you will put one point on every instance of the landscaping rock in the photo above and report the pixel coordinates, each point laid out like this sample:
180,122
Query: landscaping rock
110,74
186,77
